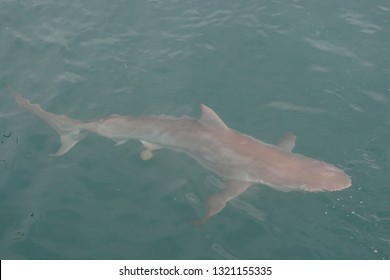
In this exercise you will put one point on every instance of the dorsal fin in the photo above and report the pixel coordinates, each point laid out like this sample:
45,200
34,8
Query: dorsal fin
210,118
287,142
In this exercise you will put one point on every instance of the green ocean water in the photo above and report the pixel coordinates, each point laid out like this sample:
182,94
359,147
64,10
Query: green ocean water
320,69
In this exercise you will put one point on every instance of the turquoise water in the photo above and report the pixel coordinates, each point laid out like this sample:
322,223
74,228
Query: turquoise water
320,69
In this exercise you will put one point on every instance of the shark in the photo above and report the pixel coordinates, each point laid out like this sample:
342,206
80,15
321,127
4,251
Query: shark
239,159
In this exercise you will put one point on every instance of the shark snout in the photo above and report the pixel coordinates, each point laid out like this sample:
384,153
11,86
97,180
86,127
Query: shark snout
335,179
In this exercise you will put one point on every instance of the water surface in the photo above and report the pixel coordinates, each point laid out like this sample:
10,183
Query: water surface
317,68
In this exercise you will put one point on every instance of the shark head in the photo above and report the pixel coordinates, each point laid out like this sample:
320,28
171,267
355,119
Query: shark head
321,176
331,178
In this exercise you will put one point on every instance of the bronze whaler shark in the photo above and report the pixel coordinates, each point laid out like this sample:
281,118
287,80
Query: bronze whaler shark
239,159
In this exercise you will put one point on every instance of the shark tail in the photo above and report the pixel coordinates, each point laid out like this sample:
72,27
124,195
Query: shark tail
71,131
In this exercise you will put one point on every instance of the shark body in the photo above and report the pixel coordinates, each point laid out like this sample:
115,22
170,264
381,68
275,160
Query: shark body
239,159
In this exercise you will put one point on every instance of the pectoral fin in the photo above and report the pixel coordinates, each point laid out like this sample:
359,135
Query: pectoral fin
287,142
148,148
218,201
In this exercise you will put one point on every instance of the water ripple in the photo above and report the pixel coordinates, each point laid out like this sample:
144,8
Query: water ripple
222,251
69,77
335,49
214,18
286,106
359,20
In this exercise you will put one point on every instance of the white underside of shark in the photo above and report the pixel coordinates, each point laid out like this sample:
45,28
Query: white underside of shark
239,159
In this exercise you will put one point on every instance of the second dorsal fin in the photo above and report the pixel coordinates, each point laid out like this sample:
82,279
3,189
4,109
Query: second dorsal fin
210,118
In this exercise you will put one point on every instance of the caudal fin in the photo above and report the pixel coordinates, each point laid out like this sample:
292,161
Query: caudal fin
70,130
